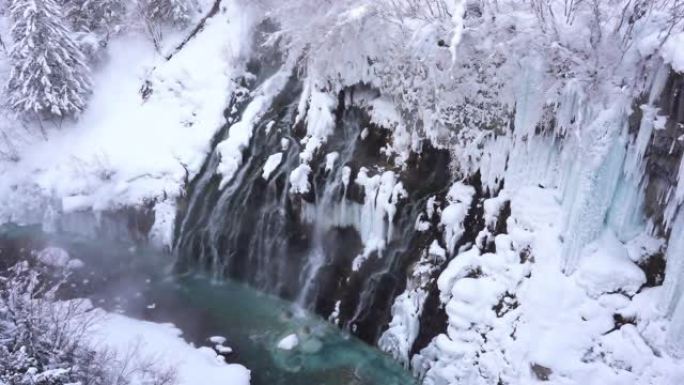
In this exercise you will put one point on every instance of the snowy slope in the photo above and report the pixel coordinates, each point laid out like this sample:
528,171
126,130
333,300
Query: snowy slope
162,344
127,148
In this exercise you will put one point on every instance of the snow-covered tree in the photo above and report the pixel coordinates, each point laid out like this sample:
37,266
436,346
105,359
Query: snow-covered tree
177,12
103,16
49,75
94,22
156,14
44,341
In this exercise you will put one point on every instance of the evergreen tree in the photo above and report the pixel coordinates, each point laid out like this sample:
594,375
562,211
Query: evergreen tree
177,12
49,75
103,16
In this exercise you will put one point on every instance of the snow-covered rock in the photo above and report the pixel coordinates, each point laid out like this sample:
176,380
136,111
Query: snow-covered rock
271,164
289,342
58,257
607,268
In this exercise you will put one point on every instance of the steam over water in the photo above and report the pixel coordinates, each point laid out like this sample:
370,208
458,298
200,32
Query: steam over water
137,282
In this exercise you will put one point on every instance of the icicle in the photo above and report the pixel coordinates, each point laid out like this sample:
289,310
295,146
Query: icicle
633,164
625,215
382,193
672,302
50,219
589,193
675,333
673,287
529,98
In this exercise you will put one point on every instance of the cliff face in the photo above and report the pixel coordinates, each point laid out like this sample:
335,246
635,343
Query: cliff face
515,253
485,217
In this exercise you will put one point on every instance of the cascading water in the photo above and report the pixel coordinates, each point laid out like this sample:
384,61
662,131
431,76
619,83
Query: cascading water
325,197
342,247
335,178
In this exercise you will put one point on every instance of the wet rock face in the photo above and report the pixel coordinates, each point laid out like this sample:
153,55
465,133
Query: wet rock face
666,149
257,231
654,269
541,372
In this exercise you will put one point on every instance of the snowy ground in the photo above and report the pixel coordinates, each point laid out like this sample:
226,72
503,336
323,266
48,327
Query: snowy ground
127,148
162,344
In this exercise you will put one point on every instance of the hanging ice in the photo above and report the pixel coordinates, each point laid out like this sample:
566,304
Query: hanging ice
460,197
593,179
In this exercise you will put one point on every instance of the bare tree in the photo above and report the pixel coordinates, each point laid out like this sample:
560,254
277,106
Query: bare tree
46,342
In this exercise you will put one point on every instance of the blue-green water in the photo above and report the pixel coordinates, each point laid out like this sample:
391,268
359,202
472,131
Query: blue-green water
254,323
136,282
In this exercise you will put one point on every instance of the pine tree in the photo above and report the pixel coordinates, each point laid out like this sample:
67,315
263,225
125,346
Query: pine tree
95,15
49,75
177,12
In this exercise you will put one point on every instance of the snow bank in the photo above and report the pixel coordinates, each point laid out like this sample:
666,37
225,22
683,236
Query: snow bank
606,268
163,344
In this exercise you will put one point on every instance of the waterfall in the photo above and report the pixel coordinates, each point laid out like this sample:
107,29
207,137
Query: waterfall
301,197
342,241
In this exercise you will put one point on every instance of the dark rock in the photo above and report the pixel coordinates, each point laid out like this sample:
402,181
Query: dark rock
541,372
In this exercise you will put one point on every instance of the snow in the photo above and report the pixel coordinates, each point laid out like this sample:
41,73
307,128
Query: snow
330,160
164,344
58,257
672,52
54,256
299,179
125,149
219,345
672,300
546,115
219,340
459,198
289,342
230,149
320,122
405,324
606,268
545,318
271,164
